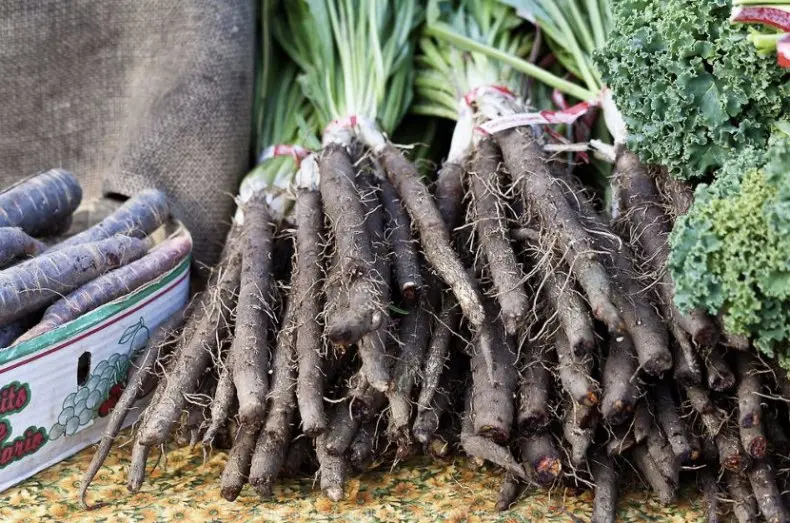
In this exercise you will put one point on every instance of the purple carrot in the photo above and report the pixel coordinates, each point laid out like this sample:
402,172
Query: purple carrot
138,217
38,203
33,284
14,242
113,285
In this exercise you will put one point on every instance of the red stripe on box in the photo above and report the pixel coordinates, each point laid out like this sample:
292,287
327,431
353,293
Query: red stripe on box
97,329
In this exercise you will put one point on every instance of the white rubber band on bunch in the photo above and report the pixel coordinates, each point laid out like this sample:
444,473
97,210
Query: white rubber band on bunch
479,92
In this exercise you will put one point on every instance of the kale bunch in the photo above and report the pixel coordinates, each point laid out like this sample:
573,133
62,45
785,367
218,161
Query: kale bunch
689,84
731,252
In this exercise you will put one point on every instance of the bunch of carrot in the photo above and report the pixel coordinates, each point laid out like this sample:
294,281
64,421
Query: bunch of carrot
49,277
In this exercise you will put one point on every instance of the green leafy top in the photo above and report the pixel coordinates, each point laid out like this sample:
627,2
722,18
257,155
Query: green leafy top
488,42
689,84
731,252
282,116
575,30
355,56
281,112
446,73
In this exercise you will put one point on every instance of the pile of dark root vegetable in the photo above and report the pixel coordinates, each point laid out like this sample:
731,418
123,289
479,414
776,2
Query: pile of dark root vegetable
50,276
498,314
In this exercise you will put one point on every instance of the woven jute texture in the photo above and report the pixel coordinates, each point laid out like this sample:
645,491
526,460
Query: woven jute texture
132,94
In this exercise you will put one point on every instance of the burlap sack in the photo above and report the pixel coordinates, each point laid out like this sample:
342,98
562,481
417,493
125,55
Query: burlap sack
131,94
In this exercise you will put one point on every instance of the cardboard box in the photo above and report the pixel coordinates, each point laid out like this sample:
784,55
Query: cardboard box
57,389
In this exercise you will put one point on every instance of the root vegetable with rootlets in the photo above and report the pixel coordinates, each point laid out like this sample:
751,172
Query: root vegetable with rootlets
33,284
505,313
39,270
41,203
113,284
47,282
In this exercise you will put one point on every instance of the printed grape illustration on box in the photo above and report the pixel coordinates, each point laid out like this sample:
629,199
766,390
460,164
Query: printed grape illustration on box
59,388
99,394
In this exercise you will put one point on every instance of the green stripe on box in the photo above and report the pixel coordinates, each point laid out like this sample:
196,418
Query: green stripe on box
92,318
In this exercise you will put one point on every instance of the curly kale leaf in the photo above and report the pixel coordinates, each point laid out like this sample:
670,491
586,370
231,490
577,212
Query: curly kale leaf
689,84
731,252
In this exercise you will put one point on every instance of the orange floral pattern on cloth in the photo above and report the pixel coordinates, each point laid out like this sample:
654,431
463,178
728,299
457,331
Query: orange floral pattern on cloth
184,488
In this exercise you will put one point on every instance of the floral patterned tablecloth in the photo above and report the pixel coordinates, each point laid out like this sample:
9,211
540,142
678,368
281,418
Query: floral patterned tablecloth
187,489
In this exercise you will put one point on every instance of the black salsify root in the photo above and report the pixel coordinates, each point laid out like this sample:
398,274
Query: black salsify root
649,229
271,446
620,391
142,368
406,261
355,306
646,328
249,352
669,420
194,353
484,448
308,298
372,347
492,400
559,290
434,235
535,387
542,193
505,272
606,478
414,333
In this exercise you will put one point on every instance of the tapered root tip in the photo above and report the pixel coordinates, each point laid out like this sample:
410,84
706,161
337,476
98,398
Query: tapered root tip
334,493
230,493
263,487
97,506
547,470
